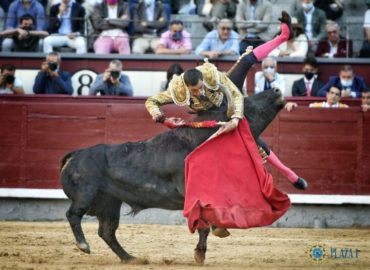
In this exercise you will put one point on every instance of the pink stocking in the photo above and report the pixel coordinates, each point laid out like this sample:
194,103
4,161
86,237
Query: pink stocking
263,50
275,161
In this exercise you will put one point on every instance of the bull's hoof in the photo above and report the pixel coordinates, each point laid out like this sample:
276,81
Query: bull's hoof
199,256
220,232
300,184
133,260
84,247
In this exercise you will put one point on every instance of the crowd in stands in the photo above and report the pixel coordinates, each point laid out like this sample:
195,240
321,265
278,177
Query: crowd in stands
145,26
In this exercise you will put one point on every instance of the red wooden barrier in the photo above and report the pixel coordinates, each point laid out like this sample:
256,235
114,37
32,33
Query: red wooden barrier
329,147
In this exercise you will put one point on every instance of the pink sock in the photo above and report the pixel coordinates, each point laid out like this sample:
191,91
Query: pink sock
263,50
288,173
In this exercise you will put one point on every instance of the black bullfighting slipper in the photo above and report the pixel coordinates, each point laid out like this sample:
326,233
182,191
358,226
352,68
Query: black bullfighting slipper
220,232
285,18
300,184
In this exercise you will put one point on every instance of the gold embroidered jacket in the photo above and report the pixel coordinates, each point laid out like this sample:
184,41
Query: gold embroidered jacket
216,83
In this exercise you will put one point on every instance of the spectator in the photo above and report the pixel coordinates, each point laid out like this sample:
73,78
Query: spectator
297,46
2,19
365,49
313,21
333,8
174,69
175,41
365,98
223,41
112,82
334,45
221,9
268,78
67,27
332,99
253,20
16,10
110,19
51,79
309,85
25,38
9,84
150,22
350,84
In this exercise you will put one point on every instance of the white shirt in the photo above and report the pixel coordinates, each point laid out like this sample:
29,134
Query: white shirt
308,28
367,18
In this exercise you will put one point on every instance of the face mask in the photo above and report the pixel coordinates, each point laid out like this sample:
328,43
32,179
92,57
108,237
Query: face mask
177,36
307,6
112,2
309,75
346,83
149,2
270,70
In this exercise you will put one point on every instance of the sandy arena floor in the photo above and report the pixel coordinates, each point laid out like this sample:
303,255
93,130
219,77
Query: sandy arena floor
50,245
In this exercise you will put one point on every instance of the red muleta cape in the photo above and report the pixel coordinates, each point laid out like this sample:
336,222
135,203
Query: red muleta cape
227,185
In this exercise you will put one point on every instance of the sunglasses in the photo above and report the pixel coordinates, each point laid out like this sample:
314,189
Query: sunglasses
225,28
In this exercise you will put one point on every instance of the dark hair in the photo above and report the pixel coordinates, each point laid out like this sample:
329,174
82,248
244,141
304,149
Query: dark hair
172,70
176,22
9,67
192,76
338,87
310,60
25,17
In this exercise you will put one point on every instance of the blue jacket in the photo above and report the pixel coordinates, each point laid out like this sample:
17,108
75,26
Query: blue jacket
16,10
45,84
105,88
357,86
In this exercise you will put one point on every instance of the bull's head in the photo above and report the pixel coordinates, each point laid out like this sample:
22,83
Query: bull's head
260,109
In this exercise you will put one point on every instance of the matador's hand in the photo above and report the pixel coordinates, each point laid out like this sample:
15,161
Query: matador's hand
225,127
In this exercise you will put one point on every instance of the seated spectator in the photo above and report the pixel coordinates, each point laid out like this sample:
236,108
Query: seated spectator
25,37
51,79
110,19
150,22
223,41
350,84
112,82
16,10
365,98
175,41
9,84
268,78
365,49
334,45
297,46
309,85
333,8
253,20
174,69
313,21
67,27
332,99
221,9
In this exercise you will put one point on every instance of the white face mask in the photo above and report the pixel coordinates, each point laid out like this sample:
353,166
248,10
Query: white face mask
307,6
346,83
270,70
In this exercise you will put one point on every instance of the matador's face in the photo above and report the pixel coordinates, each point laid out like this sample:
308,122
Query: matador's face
196,90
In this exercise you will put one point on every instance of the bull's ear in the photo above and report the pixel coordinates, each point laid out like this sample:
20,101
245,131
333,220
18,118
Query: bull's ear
276,90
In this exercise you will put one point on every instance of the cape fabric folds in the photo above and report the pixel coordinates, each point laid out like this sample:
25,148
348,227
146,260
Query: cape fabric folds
227,185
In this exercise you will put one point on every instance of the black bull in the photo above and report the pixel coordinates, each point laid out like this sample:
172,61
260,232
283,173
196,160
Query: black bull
145,174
